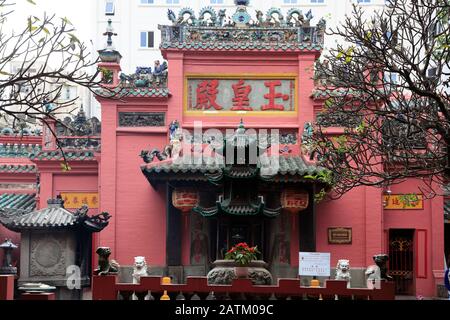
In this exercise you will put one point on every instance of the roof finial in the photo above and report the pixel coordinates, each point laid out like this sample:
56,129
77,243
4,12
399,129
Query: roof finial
110,33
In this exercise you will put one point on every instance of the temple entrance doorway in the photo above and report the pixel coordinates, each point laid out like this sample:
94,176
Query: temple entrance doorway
229,231
401,260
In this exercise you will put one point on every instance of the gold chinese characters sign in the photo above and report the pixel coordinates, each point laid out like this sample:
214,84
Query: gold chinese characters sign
340,235
403,202
74,200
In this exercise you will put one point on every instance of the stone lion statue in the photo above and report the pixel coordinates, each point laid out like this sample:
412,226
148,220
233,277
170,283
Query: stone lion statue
105,267
343,271
139,269
377,272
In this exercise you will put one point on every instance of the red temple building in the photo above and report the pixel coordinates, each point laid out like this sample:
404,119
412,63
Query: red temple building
178,201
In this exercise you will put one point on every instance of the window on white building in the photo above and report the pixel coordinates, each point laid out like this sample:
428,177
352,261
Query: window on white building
147,39
147,1
364,1
216,1
173,1
290,1
317,1
68,96
109,8
391,77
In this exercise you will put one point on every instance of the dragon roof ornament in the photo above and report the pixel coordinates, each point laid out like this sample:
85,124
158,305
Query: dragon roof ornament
217,30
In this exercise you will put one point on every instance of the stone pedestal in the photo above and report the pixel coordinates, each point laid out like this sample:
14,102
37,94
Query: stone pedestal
224,273
38,296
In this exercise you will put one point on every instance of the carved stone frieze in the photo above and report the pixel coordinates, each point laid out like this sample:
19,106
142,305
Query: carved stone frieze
141,119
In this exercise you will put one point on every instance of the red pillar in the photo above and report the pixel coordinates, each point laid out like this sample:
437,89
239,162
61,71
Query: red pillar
436,245
7,287
107,178
176,83
373,225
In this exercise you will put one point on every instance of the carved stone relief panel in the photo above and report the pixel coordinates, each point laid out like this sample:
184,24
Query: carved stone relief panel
141,119
48,254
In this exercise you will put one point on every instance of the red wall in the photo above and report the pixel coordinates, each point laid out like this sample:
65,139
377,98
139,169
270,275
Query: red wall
140,209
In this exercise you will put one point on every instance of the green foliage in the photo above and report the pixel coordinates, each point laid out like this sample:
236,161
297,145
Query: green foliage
347,55
325,176
409,200
242,254
107,75
341,144
320,195
65,167
361,129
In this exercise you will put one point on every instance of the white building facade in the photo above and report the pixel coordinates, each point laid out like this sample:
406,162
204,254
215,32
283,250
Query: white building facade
136,21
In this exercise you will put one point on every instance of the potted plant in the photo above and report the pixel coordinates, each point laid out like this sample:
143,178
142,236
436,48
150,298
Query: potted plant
242,255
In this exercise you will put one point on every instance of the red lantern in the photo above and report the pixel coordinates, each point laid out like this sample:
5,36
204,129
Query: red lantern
184,199
294,201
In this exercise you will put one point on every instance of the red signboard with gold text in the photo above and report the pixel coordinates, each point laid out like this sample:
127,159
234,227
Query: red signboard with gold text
241,94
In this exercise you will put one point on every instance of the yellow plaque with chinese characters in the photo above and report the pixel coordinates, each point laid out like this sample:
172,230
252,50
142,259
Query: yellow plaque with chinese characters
403,202
74,200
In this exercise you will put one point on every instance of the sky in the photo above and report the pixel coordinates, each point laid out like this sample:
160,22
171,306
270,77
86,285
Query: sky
79,12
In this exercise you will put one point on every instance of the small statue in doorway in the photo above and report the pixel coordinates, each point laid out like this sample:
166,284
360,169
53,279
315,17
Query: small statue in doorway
105,267
139,269
343,271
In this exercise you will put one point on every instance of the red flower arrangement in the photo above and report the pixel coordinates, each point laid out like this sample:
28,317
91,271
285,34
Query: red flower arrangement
242,253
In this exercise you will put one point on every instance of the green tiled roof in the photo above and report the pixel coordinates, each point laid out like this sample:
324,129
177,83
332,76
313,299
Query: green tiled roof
151,92
18,168
54,216
196,165
25,201
147,92
242,45
288,166
44,218
293,165
57,155
9,150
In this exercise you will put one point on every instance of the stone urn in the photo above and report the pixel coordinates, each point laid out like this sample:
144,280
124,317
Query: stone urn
224,272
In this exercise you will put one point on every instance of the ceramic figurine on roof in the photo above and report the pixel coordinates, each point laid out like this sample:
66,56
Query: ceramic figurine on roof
207,17
146,77
295,18
186,16
272,30
159,75
171,16
173,127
